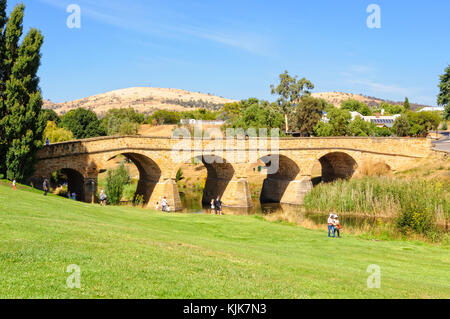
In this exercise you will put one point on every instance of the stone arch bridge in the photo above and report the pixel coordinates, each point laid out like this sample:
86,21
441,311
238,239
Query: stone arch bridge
289,163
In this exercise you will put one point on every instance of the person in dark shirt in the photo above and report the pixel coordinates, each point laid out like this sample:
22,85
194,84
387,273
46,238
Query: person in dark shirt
218,205
46,186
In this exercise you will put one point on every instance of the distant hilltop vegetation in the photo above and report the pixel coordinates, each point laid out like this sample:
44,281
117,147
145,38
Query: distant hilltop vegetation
142,99
147,100
336,98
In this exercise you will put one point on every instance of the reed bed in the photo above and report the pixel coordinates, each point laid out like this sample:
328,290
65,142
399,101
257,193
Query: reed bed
416,204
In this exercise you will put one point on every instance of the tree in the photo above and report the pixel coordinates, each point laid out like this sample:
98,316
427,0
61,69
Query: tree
339,121
391,108
257,114
22,122
231,111
323,129
423,122
115,182
307,114
124,121
359,127
56,134
444,93
382,131
401,126
50,115
290,90
406,105
356,106
165,117
83,123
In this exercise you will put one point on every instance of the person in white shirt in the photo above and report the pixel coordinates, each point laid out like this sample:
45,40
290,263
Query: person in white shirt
331,226
164,204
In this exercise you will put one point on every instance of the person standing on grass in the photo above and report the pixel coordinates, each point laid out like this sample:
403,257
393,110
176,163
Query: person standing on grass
164,204
102,198
157,206
212,206
331,226
14,184
218,204
45,186
337,226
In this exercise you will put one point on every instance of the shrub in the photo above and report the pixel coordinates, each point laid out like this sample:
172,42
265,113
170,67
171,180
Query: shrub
115,183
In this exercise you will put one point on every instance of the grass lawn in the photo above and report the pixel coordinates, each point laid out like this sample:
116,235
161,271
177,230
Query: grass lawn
125,252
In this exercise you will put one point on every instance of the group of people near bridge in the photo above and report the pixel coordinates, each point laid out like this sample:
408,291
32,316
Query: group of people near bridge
334,226
216,206
164,206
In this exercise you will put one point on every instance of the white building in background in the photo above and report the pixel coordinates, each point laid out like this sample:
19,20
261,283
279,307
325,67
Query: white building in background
378,120
201,122
432,109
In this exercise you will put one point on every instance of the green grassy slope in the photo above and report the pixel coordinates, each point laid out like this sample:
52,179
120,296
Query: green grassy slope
135,253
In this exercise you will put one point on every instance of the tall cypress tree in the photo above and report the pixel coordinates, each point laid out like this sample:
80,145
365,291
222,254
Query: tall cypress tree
22,121
3,20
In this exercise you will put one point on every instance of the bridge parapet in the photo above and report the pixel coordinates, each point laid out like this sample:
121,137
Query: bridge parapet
411,147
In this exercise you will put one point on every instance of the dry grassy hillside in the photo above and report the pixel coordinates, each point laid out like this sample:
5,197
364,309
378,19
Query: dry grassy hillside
336,99
143,99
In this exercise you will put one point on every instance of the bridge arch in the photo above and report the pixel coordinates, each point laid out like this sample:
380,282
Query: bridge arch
337,165
70,177
281,171
149,172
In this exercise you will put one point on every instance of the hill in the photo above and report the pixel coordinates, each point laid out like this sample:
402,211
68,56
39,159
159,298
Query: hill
143,99
147,100
125,252
336,99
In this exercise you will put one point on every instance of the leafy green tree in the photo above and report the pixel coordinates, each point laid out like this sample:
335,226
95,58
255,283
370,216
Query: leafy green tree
307,114
115,183
356,106
359,127
323,129
83,123
56,134
339,121
406,105
401,126
382,131
21,119
50,115
257,114
231,111
124,121
423,122
165,117
289,91
391,108
200,114
444,92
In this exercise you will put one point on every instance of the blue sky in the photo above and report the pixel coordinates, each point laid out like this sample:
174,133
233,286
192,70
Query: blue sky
236,49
